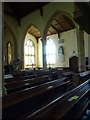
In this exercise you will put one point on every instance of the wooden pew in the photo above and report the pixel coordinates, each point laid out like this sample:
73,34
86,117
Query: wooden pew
35,90
69,106
28,74
42,72
8,78
18,78
83,76
56,74
16,85
69,76
79,78
32,98
21,75
73,109
20,85
52,73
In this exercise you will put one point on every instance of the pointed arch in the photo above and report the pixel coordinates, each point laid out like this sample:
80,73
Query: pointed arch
48,24
53,17
13,43
34,41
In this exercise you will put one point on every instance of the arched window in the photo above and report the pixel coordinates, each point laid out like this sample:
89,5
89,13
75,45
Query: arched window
50,52
29,54
9,52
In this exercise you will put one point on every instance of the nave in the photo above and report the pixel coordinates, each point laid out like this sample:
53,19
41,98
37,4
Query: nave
46,61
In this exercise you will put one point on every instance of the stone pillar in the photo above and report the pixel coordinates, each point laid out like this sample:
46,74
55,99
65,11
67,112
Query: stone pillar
81,50
44,53
1,54
1,63
89,50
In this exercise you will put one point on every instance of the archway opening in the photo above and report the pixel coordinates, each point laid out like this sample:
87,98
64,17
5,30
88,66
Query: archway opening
31,47
61,28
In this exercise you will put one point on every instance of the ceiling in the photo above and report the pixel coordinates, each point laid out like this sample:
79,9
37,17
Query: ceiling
34,31
60,24
22,9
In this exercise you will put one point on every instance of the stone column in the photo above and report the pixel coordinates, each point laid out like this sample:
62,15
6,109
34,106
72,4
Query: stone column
89,50
1,52
81,50
1,63
44,53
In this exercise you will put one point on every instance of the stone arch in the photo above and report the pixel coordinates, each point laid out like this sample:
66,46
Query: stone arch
64,13
25,32
52,18
24,36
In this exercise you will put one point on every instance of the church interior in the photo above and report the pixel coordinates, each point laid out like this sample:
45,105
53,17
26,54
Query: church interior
46,61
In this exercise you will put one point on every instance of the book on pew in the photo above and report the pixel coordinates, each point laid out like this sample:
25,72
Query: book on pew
73,98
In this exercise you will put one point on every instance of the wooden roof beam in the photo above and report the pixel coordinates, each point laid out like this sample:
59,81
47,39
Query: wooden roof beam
68,21
50,31
55,28
59,24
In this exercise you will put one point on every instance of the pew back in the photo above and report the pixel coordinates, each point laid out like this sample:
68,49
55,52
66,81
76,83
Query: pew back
68,106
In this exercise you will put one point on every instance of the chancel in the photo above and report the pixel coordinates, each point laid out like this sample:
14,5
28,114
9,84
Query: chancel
46,61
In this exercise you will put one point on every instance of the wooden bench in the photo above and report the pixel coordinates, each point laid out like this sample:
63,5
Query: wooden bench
79,78
8,78
69,106
23,84
52,73
83,76
18,78
22,77
16,85
35,90
32,98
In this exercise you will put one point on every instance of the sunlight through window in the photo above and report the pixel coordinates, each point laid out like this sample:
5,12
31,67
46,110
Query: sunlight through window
9,50
29,56
50,52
